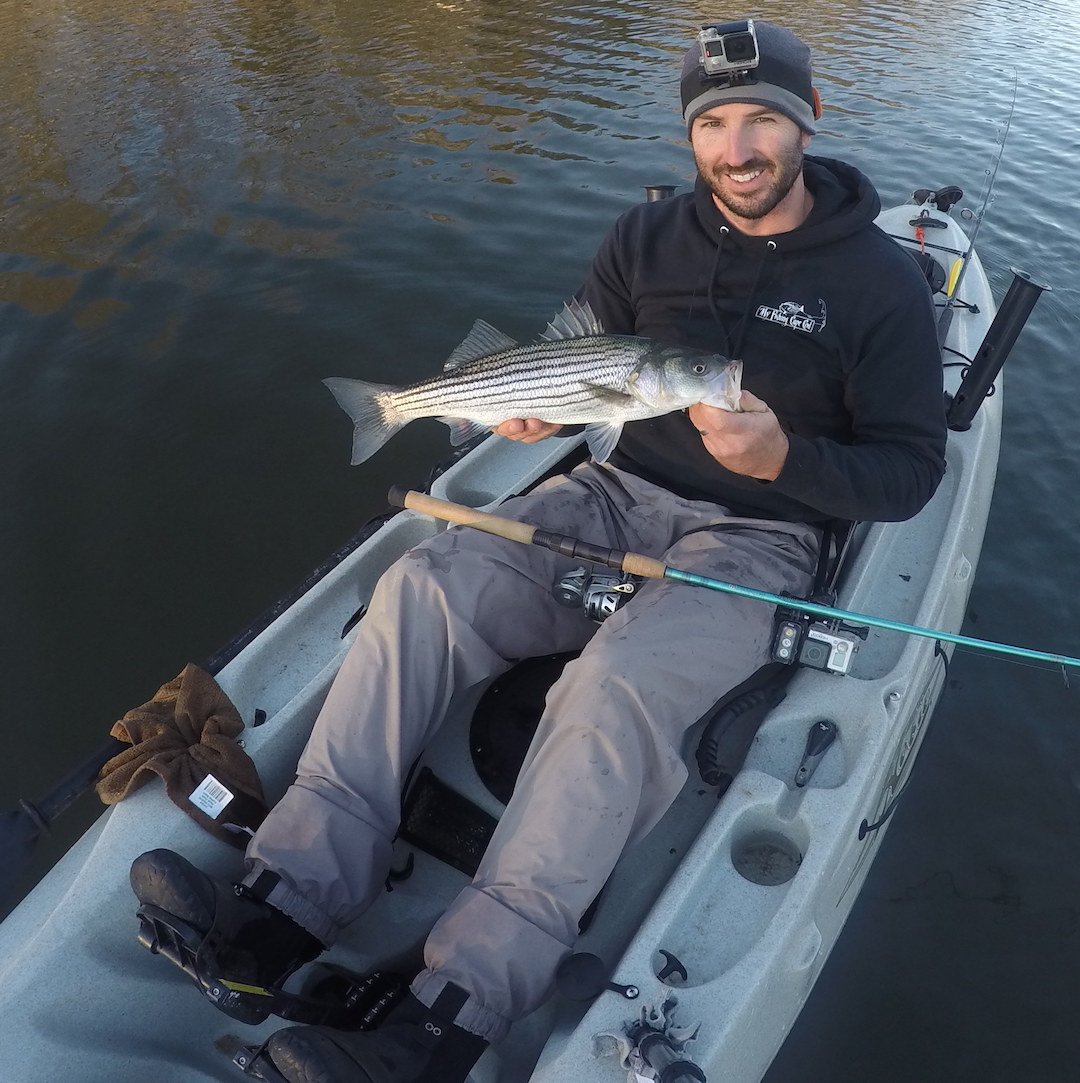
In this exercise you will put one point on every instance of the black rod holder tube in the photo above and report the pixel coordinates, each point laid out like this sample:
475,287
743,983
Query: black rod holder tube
655,192
1008,323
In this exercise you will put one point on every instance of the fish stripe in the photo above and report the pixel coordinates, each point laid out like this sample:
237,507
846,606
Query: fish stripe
521,383
543,377
551,366
534,369
488,390
538,391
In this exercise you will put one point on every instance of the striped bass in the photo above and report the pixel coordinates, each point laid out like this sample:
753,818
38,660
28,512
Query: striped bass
575,374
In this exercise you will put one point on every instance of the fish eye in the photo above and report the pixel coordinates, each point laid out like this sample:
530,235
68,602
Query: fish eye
699,369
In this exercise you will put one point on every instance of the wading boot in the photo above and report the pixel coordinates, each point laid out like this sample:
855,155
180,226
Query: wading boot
233,944
416,1045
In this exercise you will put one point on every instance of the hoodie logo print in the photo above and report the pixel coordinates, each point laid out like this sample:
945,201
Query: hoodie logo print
794,315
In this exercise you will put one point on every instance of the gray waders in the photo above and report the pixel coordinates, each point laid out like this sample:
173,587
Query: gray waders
607,759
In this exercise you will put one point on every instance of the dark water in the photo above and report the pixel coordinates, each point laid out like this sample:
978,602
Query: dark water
207,207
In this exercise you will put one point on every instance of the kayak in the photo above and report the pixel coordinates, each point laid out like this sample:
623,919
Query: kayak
729,908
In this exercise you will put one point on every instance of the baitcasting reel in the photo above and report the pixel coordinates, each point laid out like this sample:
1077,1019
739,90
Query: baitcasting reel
599,593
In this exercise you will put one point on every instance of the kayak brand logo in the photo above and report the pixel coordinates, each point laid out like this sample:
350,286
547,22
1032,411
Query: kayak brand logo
794,315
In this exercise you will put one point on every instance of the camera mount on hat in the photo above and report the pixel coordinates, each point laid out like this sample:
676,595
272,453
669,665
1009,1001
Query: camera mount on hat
729,50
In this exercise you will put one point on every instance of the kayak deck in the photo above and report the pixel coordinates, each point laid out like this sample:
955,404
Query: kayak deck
749,893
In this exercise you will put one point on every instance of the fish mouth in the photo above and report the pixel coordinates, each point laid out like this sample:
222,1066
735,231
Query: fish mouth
724,388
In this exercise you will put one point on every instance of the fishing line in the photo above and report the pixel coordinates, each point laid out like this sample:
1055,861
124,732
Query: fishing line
1026,665
981,213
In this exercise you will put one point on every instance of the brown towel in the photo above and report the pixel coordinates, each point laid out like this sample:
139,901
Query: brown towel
187,731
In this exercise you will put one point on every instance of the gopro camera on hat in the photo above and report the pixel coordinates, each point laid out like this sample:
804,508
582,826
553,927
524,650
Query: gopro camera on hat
730,48
752,61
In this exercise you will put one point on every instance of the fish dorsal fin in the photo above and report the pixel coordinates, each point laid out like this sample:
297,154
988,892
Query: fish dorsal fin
482,340
576,320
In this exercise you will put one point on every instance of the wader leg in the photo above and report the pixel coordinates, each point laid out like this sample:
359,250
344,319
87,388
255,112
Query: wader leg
606,763
453,613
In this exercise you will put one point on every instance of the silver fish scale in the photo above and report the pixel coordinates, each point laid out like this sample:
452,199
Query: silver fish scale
542,379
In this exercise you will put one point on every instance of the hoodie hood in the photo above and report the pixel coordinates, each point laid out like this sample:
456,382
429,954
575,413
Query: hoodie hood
844,202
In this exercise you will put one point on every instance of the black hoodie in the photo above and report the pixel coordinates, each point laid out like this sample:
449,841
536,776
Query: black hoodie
835,326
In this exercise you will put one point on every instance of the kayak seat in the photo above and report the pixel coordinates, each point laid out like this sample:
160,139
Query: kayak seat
506,718
507,715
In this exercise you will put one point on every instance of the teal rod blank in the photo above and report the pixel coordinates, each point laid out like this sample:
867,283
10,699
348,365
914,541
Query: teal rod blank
863,618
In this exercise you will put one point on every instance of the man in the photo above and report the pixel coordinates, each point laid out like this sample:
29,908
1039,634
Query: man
772,259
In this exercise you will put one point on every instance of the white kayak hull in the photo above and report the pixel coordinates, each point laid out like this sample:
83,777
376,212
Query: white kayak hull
80,999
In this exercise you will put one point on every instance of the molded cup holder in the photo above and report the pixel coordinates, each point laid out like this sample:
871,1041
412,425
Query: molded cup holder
766,858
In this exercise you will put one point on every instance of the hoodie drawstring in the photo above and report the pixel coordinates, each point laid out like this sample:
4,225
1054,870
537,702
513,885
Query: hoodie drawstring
733,349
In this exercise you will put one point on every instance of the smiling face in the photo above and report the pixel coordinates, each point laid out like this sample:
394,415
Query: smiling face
751,158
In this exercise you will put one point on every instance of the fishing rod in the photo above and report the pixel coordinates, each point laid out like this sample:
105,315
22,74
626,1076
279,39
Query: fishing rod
651,568
1023,294
953,291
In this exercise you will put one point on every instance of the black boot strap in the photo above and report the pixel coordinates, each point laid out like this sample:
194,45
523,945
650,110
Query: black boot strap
264,883
439,1018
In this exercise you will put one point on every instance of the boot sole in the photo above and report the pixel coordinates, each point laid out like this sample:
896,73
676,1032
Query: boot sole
310,1055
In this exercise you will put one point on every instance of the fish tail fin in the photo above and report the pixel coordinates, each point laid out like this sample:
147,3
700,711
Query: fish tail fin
374,419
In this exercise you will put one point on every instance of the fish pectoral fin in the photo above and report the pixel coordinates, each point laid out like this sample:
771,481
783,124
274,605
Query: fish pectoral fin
602,438
482,340
462,430
576,320
612,396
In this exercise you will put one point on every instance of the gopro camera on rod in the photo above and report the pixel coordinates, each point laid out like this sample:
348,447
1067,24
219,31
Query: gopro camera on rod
729,49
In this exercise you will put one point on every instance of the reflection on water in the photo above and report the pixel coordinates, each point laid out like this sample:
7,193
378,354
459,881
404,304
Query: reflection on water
208,206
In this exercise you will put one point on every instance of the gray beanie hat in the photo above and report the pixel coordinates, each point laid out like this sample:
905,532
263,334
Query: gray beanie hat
781,80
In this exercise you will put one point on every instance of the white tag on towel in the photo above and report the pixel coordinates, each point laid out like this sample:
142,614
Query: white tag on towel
211,797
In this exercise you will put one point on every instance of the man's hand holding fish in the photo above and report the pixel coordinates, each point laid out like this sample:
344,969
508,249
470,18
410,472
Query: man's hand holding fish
749,441
526,430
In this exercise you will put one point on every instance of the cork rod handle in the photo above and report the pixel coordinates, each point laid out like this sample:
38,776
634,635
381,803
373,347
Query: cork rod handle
512,530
